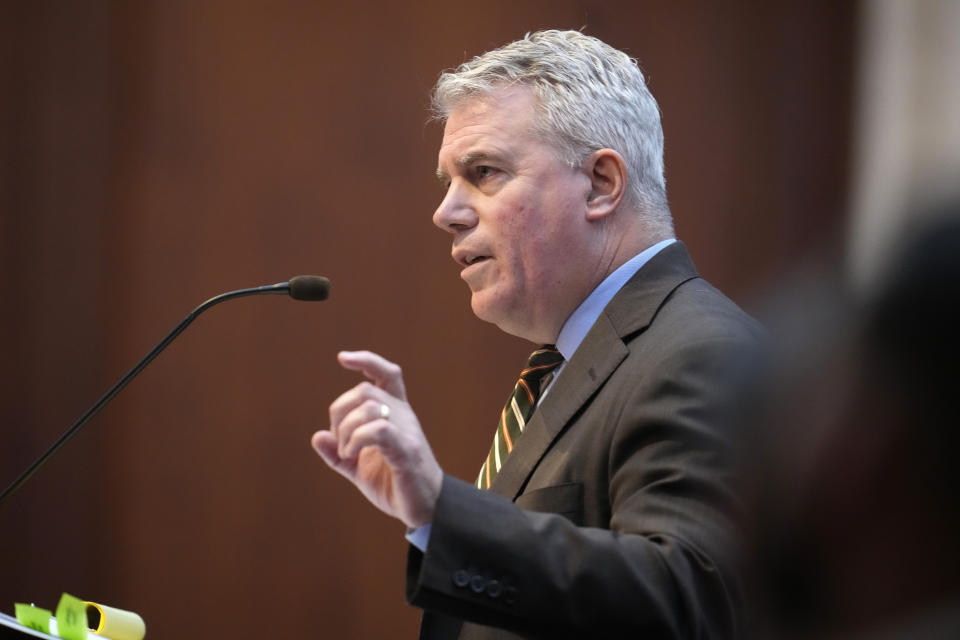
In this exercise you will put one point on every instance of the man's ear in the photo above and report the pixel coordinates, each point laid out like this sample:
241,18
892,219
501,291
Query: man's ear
608,182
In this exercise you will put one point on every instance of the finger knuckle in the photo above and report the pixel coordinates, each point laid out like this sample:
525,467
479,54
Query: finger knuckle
372,407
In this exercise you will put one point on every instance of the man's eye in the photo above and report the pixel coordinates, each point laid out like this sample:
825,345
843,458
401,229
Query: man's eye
484,171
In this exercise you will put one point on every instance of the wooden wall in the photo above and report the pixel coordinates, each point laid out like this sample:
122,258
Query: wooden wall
154,154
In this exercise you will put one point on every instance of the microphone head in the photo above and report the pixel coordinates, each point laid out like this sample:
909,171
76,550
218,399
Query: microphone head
309,288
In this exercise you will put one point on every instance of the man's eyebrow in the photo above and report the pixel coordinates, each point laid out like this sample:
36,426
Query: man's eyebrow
463,162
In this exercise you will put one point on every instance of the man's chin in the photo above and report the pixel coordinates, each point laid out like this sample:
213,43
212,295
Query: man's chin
515,324
481,306
490,309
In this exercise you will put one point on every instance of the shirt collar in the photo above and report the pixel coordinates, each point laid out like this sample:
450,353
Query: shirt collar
577,326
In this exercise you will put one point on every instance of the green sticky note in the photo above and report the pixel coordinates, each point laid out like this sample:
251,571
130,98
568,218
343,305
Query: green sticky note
71,618
33,617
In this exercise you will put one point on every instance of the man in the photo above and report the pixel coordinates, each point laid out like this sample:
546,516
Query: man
610,515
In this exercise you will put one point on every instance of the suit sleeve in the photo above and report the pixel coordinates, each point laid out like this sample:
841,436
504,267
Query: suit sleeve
659,563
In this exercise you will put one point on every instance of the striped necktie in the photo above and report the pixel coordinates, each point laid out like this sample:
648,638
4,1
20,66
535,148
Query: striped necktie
517,411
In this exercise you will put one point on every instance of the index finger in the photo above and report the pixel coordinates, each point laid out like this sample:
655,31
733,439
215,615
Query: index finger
385,374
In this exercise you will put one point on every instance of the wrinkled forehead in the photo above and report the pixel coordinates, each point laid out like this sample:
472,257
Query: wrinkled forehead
516,104
497,127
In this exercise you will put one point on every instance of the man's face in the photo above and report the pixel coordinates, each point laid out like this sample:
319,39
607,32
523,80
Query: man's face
517,215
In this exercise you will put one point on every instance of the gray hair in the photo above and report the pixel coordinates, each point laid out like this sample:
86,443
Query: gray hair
590,96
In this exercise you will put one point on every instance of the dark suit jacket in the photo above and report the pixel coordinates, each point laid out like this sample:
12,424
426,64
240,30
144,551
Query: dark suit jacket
612,516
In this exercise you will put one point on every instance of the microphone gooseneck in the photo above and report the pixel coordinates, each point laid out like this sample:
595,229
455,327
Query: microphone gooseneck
304,288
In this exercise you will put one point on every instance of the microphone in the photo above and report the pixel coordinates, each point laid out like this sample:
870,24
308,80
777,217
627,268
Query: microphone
308,288
305,288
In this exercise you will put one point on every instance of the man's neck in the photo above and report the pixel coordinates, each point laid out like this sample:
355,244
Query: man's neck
575,329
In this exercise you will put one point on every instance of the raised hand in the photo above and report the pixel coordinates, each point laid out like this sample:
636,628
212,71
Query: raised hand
376,441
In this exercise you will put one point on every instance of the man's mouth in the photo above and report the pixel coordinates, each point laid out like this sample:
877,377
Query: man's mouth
475,259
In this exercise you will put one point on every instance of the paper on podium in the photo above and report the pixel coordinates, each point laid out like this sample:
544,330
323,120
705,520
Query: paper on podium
113,623
10,627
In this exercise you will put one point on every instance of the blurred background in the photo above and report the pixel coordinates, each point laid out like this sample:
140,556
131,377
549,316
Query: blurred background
154,154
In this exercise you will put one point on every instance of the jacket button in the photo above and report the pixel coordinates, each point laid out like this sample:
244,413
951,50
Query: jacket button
494,589
478,584
509,595
461,578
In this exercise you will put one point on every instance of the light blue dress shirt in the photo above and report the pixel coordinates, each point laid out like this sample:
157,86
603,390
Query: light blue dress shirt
574,330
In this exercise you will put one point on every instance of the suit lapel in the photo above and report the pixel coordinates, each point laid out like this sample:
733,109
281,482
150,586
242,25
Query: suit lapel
580,379
599,355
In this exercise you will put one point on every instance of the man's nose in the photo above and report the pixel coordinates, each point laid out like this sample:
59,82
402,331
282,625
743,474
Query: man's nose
456,211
